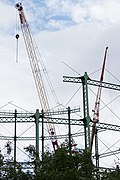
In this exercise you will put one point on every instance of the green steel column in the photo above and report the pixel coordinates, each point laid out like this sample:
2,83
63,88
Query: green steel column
96,153
42,133
86,111
69,130
96,148
37,116
15,139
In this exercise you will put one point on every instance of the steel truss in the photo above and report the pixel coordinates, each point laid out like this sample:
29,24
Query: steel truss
30,117
9,117
86,80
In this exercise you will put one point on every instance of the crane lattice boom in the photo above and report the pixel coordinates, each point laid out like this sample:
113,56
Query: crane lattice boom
34,58
98,98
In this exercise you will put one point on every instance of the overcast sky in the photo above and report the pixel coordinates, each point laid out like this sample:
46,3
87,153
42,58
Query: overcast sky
73,32
71,36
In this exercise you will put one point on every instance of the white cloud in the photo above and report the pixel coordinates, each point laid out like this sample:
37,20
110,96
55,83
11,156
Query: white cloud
106,11
7,15
45,13
103,12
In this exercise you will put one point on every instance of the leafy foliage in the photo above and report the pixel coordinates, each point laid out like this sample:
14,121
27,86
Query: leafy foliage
57,166
112,175
62,166
8,171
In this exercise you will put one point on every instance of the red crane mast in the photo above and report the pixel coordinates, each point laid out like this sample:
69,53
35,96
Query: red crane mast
97,102
34,58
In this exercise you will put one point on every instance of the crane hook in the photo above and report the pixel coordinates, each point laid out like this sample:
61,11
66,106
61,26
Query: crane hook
17,36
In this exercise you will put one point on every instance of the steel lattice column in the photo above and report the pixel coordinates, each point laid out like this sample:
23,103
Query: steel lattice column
86,118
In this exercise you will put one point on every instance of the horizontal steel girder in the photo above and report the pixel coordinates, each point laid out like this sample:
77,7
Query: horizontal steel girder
52,120
92,82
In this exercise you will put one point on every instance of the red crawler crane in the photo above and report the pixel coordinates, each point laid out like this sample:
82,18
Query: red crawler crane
34,58
97,102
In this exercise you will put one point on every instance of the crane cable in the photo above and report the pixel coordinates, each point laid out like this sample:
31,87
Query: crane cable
47,78
17,37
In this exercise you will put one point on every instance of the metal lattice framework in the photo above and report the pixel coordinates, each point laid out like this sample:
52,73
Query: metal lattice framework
92,82
85,80
10,117
7,117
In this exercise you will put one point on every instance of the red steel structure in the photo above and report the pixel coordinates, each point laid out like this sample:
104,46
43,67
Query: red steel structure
97,102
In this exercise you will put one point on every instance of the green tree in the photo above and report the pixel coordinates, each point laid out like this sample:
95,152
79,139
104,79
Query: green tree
17,173
62,166
112,175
